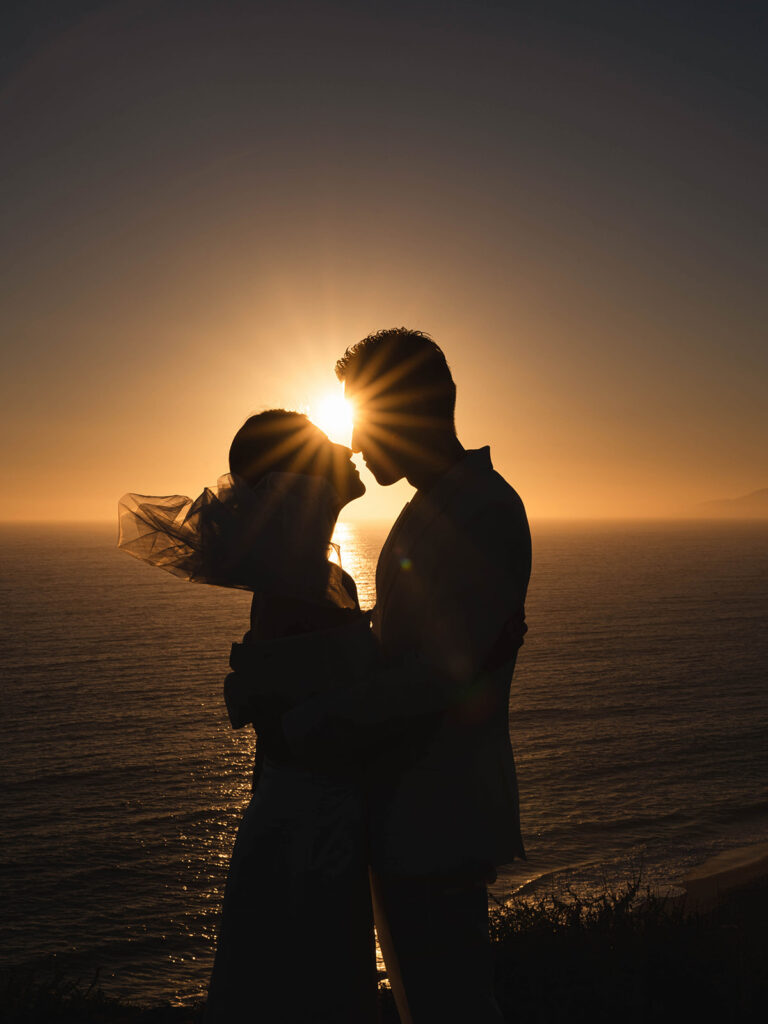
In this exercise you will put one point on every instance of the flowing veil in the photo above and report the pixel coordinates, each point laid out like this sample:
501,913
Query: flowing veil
274,537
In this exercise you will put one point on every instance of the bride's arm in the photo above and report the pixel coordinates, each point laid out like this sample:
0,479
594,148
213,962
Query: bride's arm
273,675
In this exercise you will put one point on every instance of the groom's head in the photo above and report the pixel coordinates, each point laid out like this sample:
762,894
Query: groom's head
403,397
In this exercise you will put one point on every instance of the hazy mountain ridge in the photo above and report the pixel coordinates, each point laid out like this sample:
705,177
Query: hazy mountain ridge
748,505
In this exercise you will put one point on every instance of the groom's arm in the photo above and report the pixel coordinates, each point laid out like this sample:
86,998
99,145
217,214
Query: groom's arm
471,620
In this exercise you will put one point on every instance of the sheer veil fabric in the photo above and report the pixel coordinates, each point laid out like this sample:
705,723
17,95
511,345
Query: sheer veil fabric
272,538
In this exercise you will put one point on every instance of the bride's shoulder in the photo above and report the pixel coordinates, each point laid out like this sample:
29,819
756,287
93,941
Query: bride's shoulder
350,586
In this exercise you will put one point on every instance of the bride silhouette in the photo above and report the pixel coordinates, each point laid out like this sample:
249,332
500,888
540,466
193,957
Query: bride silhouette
296,937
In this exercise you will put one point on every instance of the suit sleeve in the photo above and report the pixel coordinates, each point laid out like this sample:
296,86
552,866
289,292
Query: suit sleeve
470,601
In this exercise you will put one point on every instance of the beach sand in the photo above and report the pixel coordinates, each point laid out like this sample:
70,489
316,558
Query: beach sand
706,885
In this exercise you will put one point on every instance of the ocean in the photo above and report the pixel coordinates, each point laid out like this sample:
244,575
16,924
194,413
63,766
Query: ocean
638,713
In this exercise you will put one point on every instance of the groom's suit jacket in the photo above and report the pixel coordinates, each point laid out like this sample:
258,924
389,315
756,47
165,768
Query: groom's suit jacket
451,584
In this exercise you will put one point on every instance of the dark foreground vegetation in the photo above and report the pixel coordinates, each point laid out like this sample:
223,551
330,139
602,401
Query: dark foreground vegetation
620,958
616,958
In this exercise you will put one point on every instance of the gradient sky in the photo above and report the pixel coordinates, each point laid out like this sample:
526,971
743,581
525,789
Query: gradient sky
203,204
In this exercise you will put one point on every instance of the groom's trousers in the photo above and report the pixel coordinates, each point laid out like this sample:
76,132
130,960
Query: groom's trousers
435,942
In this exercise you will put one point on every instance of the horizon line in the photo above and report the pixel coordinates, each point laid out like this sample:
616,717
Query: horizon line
382,520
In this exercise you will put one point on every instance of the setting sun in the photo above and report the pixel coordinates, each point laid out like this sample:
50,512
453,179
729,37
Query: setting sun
333,414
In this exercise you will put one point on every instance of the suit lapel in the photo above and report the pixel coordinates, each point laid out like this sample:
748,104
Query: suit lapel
388,565
459,491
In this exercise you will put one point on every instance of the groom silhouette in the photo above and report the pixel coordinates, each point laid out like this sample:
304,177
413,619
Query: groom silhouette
451,584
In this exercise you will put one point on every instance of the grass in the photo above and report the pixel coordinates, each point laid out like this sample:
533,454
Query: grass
29,1000
620,957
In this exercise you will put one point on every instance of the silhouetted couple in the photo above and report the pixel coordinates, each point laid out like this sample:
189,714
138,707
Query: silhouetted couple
385,783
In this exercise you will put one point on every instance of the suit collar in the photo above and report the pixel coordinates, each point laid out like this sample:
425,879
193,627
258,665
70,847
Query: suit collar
456,484
425,507
474,460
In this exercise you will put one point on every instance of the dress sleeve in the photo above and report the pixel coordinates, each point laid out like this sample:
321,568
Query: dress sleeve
296,668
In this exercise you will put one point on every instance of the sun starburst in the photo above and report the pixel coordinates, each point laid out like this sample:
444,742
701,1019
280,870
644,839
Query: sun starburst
333,414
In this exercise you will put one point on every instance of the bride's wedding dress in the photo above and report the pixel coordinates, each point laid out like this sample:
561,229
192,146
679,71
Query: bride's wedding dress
296,939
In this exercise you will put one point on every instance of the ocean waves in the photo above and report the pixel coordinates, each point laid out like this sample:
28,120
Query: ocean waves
638,716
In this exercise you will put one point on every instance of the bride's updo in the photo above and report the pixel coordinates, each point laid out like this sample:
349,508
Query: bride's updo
275,441
279,441
266,526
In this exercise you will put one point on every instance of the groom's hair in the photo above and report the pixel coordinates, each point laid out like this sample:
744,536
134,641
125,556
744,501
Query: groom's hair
404,371
270,442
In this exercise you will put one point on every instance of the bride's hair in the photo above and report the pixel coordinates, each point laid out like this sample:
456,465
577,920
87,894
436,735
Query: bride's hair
268,442
272,538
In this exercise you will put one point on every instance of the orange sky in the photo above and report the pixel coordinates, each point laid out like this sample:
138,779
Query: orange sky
203,211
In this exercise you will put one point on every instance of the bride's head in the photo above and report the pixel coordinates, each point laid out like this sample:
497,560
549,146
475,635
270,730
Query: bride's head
277,441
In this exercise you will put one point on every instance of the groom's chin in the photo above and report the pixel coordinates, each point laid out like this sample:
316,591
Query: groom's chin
385,477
